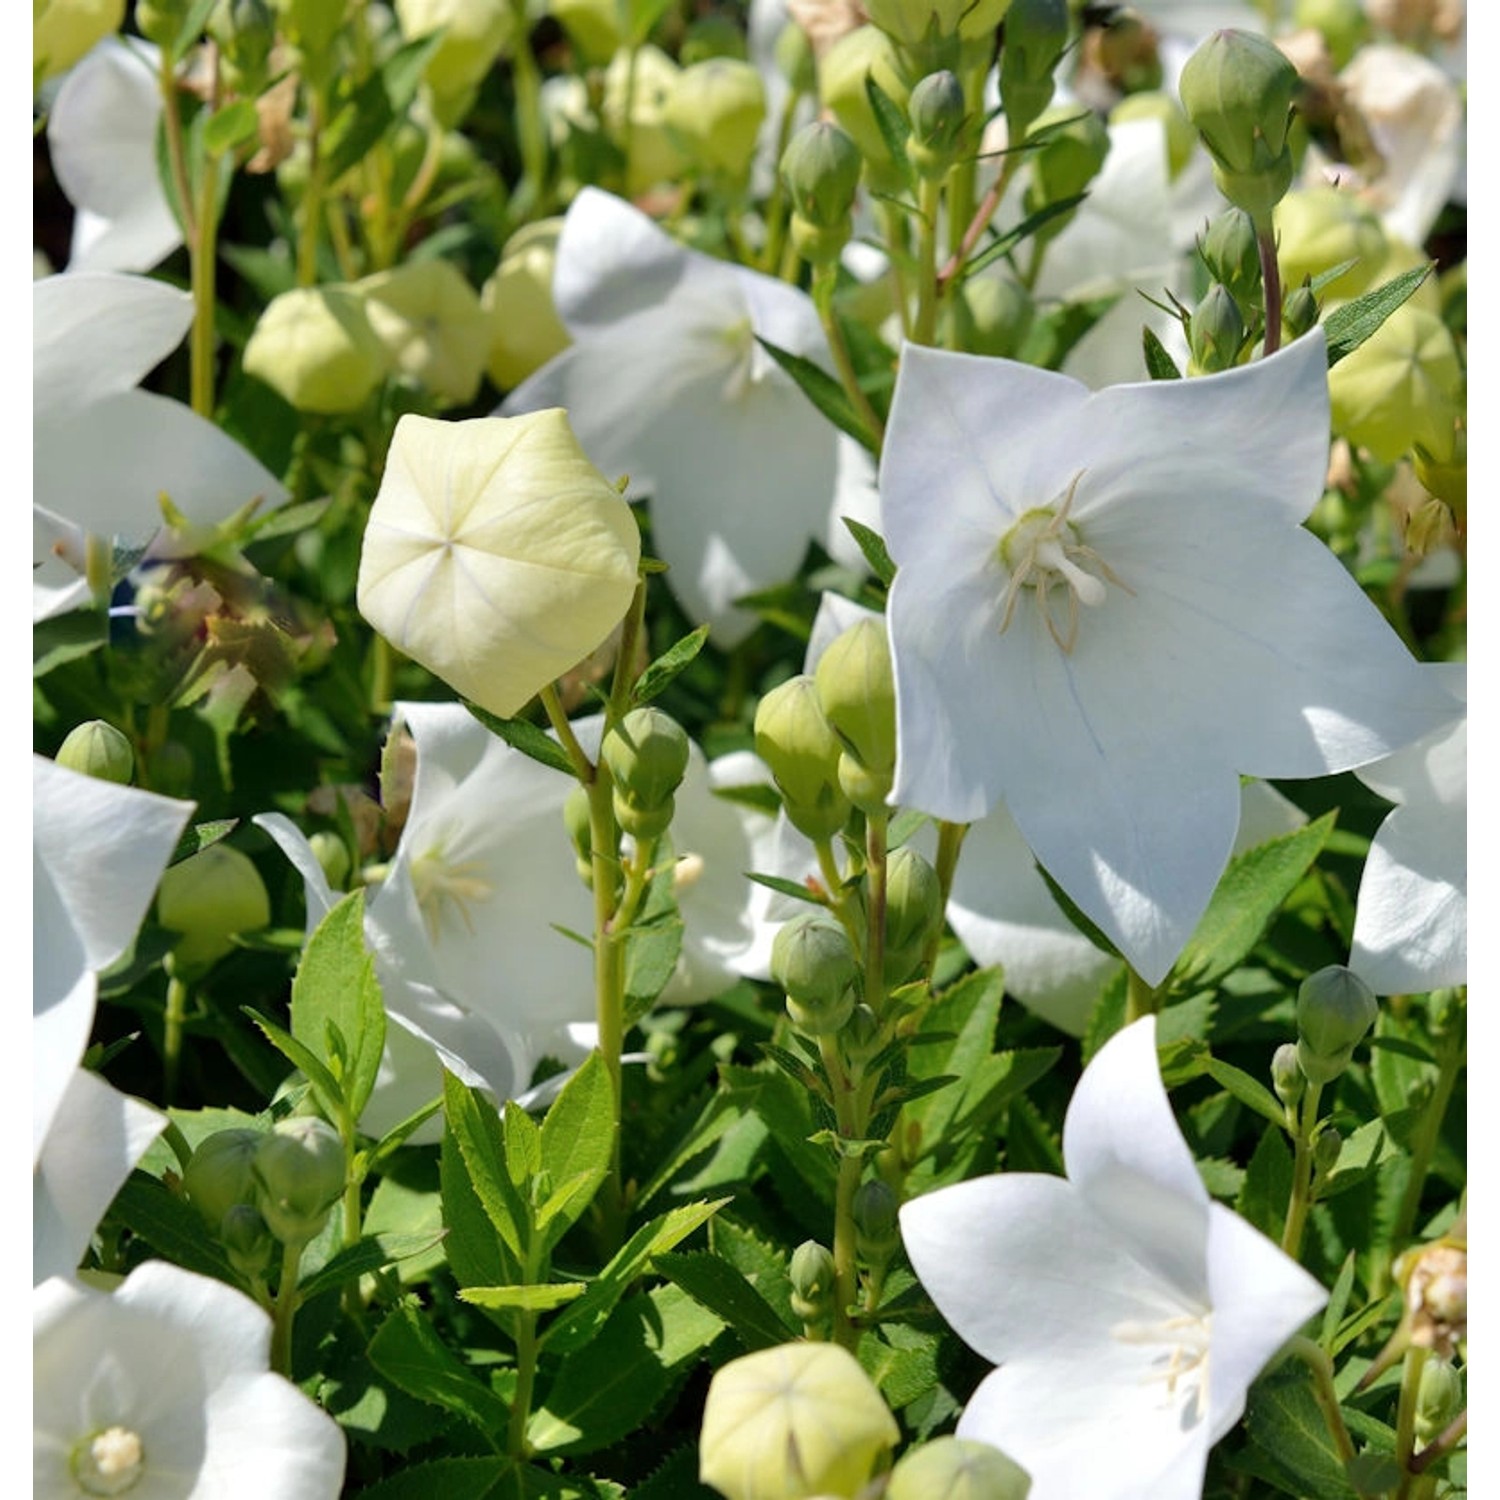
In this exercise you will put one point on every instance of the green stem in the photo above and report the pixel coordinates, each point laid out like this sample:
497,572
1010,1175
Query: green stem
1270,277
824,278
950,846
1450,1060
845,1255
530,130
1406,1417
520,1406
1141,999
203,256
929,200
1443,1444
1316,1359
876,825
777,208
311,213
893,226
286,1310
982,216
176,157
1302,1172
173,1136
171,1042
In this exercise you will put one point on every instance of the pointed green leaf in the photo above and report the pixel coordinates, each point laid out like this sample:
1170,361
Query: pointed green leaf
1247,1090
524,1298
409,1353
653,681
724,1291
792,888
651,953
325,1085
373,1253
1347,327
452,1478
1159,364
890,120
824,392
1288,1430
231,127
1268,1184
872,544
170,1225
481,1142
375,106
523,735
578,1136
1023,231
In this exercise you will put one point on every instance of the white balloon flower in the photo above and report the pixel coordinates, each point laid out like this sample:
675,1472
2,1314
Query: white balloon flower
1128,1314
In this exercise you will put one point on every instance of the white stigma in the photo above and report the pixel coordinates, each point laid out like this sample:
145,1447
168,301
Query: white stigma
440,886
1184,1343
110,1462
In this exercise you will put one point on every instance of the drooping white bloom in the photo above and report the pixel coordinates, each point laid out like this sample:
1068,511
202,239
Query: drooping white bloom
101,132
1107,608
665,382
1128,1314
103,453
97,851
1411,921
161,1390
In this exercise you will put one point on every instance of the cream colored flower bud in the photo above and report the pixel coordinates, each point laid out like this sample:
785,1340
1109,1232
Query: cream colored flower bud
315,347
63,30
857,689
716,111
475,33
792,1422
1320,228
654,153
524,329
865,53
209,898
950,1468
496,554
429,319
98,749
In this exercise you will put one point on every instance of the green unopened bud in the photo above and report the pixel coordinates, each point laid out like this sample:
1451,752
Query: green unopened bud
813,961
1231,252
1216,332
332,854
1299,312
868,789
716,112
99,750
247,1240
876,1225
794,738
315,347
218,1174
1287,1077
209,898
158,21
1335,1008
245,31
1237,89
938,116
1072,146
992,315
299,1175
1445,476
795,60
1036,32
922,27
857,689
712,36
813,1278
1342,24
866,52
1440,1398
579,823
1181,138
821,167
913,900
647,755
951,1468
1327,1145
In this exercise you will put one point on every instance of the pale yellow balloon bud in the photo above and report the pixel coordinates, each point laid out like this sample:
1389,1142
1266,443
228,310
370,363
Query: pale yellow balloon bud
475,33
209,898
524,328
950,1468
793,1422
654,153
716,111
1320,228
315,347
865,53
912,22
496,554
63,30
429,319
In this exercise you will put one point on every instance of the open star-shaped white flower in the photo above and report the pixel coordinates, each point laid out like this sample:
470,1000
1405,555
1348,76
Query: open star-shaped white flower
666,383
1107,609
1127,1312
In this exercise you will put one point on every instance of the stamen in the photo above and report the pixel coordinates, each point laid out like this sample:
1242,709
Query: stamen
1185,1342
110,1462
439,885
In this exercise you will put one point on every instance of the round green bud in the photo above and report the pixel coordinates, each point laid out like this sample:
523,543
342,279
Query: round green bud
99,750
866,52
247,1240
158,21
812,1276
857,689
795,60
938,115
1036,32
207,899
245,31
1335,1008
868,789
1181,138
913,900
820,168
1327,1146
992,315
578,821
643,822
299,1171
218,1174
794,738
1072,150
593,26
1216,332
951,1468
709,37
1231,252
715,112
813,961
876,1226
1287,1077
1342,24
647,755
332,854
1299,312
1237,89
315,347
1440,1398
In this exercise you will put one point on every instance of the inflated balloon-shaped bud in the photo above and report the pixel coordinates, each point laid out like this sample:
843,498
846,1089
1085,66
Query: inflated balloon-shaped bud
1335,1008
1237,89
992,315
245,31
332,855
315,347
429,319
299,1173
647,756
1071,146
938,116
1326,1148
820,168
794,738
813,961
1440,1398
876,1225
63,30
524,328
913,911
219,1173
1216,332
710,36
247,1240
209,898
1232,254
813,1278
158,21
1318,229
1299,312
716,112
475,33
645,88
496,554
952,1468
796,1419
1036,32
1180,137
857,689
866,52
311,24
1287,1077
592,25
99,750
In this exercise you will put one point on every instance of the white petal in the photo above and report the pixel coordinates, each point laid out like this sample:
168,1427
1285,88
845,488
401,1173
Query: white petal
264,1426
59,1032
321,898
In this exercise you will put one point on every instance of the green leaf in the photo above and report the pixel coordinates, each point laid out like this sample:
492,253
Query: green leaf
523,735
375,106
1327,278
1347,327
578,1138
452,1478
1159,364
1338,1303
793,888
1075,915
191,28
65,638
335,985
890,120
202,836
476,1254
724,1292
324,1084
475,1128
523,1147
1268,1184
1363,1151
169,1224
824,392
1024,230
653,681
231,127
786,1110
872,544
1248,895
1247,1090
409,1354
651,953
524,1298
1288,1430
372,1253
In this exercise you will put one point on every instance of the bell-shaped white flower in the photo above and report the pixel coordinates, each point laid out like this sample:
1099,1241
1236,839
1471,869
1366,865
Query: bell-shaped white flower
97,851
1411,920
1128,1314
665,382
1107,609
162,1388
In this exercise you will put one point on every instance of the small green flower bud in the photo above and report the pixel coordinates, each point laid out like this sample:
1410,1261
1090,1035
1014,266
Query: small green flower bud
1327,1144
1342,24
1237,89
1216,332
1440,1398
218,1174
1181,138
814,963
715,113
795,60
1232,254
867,789
877,1230
794,738
820,168
99,750
245,31
857,689
577,820
1036,32
1335,1009
208,898
315,347
1299,312
1072,149
913,900
812,1276
709,37
992,315
647,755
951,1468
920,26
938,116
1287,1077
332,854
866,52
158,21
247,1240
299,1175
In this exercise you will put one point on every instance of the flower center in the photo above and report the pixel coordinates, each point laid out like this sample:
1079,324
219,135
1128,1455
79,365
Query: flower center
108,1463
1044,552
1183,1344
751,362
440,885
